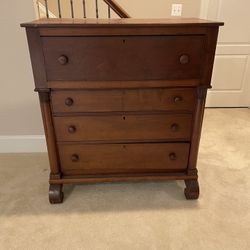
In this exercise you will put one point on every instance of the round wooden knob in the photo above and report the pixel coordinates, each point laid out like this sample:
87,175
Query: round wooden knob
177,99
74,157
174,127
184,59
172,156
72,129
69,101
63,60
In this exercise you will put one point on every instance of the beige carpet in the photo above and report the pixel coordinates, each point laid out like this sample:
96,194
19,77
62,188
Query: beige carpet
143,216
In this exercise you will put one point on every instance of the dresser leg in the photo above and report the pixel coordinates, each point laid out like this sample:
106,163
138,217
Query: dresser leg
55,193
192,189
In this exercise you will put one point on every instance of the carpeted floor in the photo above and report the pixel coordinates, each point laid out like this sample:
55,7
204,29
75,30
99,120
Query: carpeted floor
147,216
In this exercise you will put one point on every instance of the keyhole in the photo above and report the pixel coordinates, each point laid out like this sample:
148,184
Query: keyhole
123,41
124,118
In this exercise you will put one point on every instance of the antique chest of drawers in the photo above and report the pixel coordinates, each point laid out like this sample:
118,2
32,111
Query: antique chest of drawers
122,100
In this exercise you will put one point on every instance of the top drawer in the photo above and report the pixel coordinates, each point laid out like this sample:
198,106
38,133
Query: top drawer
123,58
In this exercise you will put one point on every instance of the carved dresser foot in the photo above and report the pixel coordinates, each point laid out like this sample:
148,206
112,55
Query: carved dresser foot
192,189
55,193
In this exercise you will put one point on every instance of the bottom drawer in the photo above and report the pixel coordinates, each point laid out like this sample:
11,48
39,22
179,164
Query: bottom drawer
122,158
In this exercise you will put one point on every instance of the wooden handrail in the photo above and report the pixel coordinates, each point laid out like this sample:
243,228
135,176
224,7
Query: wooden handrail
117,8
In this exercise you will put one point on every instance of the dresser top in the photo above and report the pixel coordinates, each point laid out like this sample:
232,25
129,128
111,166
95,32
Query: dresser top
121,22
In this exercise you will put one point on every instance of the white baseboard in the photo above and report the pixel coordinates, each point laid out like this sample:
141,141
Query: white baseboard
22,144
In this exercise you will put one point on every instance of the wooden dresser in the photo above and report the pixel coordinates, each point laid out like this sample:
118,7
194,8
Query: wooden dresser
122,100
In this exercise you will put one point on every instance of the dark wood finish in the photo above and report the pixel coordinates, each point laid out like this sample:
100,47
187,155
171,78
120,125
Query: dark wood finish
126,22
122,158
122,100
117,8
197,125
36,56
85,179
55,193
211,42
124,30
100,85
120,58
49,133
192,189
124,127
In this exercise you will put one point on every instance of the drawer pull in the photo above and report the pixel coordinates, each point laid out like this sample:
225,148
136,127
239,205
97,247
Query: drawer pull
172,156
69,101
72,129
177,99
63,60
74,157
174,127
184,59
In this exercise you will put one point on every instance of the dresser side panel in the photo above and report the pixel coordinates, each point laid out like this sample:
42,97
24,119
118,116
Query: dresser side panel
37,57
210,47
44,98
196,133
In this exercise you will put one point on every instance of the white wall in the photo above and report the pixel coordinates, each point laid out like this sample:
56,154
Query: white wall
19,107
19,110
160,8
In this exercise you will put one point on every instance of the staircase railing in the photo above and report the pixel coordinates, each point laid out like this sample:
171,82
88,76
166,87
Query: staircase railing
117,8
111,4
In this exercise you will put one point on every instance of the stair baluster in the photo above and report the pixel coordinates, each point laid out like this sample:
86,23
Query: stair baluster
46,7
84,8
111,5
96,8
59,8
109,14
72,8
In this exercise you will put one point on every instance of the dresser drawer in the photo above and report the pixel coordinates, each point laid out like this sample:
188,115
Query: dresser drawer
123,100
123,58
123,158
123,127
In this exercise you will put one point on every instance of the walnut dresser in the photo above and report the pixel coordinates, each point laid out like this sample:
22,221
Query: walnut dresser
122,100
